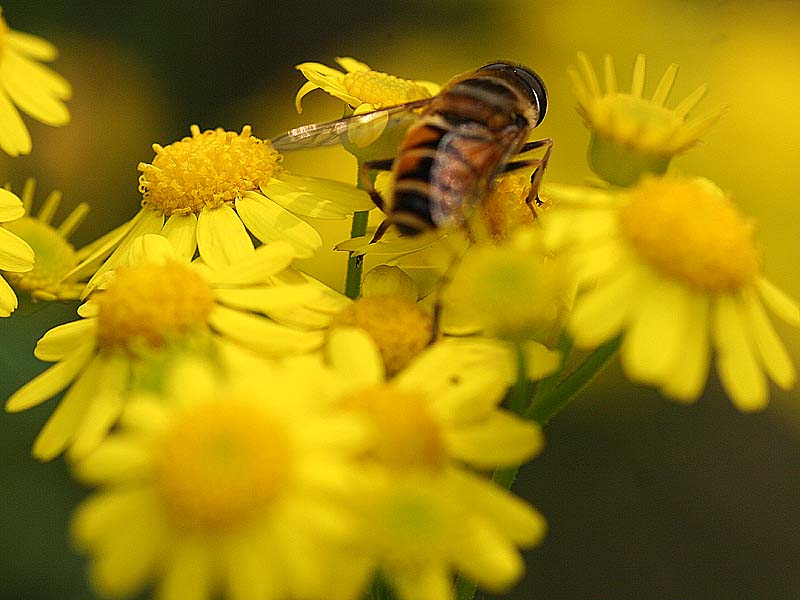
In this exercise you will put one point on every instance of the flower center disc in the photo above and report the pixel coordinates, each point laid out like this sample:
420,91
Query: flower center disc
399,338
54,255
382,89
151,303
220,464
207,169
406,433
688,229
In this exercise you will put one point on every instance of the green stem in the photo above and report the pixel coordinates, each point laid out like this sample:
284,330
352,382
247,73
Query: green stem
352,286
519,394
548,404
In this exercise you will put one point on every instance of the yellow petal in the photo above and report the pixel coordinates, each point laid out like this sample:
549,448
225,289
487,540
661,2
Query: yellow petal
601,313
779,302
262,335
59,431
53,380
486,557
14,136
257,268
8,299
270,222
122,459
690,370
188,576
104,409
499,440
145,221
652,341
31,45
737,362
180,231
28,85
315,197
62,339
352,353
513,516
265,299
16,255
11,207
773,353
222,238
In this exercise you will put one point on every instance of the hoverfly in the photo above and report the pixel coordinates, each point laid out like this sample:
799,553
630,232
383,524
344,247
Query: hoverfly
459,142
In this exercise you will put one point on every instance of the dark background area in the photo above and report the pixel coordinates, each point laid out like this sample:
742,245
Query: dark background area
644,498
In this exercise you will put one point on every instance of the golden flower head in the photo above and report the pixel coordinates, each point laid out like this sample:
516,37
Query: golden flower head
671,265
512,291
219,486
398,325
632,135
143,315
207,170
360,87
364,91
28,85
55,274
215,191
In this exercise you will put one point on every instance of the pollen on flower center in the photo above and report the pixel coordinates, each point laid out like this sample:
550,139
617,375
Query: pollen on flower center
687,228
150,303
407,435
506,208
382,89
54,255
399,338
207,169
220,464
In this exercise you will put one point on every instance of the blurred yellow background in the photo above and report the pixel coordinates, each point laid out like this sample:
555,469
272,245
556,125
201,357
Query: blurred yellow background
645,499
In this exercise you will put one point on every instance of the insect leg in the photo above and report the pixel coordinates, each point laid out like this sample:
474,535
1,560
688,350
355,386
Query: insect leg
367,180
540,165
365,175
536,176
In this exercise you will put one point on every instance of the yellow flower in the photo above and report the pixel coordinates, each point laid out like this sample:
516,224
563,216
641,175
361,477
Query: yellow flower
632,135
54,275
360,87
365,90
512,291
143,314
209,192
220,489
424,512
672,266
24,82
16,256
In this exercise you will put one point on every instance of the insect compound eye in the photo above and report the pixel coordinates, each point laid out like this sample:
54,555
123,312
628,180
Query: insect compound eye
530,80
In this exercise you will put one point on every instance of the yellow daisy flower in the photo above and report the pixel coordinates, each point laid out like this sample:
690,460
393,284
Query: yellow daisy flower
512,291
54,275
360,87
425,513
142,315
672,266
365,90
630,134
220,489
27,84
16,255
211,191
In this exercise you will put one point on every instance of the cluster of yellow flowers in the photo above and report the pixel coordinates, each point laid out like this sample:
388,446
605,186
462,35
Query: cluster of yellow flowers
254,433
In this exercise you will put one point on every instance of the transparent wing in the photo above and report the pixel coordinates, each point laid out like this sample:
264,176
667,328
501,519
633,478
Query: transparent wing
341,131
